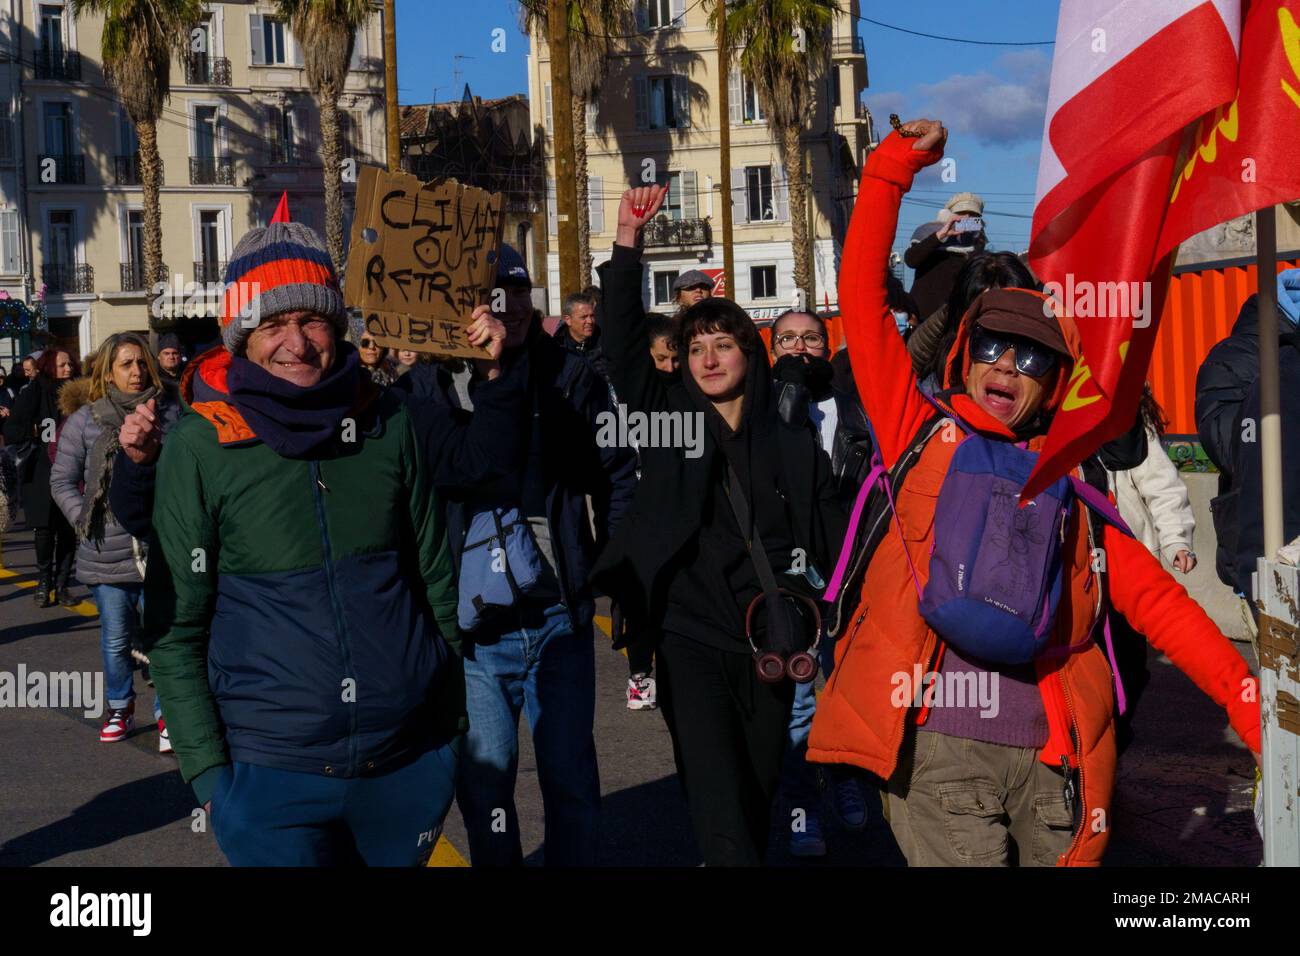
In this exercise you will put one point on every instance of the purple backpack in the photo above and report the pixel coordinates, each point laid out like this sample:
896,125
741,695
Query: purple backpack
996,569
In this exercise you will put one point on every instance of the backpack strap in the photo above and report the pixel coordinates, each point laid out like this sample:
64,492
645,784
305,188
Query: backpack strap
873,480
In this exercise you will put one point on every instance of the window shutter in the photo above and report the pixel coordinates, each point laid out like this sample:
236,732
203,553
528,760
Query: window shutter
10,249
642,19
552,216
679,13
781,192
548,108
690,201
735,108
293,51
255,39
595,205
682,101
358,49
274,132
739,190
642,103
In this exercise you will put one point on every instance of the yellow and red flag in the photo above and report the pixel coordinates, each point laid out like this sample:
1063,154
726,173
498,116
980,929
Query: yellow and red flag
1163,119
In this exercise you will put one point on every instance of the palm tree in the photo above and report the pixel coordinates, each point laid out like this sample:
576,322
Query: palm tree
592,24
140,39
784,47
326,30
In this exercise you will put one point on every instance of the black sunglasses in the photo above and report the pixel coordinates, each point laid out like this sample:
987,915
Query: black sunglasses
1032,358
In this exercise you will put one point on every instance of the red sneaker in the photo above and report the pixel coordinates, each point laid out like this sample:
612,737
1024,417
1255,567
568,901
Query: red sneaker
164,739
119,723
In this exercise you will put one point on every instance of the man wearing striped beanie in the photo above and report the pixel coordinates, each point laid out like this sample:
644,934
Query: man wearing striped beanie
301,606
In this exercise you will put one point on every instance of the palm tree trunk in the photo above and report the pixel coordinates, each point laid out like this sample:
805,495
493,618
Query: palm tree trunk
146,132
792,151
331,156
583,204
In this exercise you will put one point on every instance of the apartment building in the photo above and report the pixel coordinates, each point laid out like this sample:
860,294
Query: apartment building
658,106
240,129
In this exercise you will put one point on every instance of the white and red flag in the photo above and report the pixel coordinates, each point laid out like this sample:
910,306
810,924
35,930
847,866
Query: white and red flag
1163,118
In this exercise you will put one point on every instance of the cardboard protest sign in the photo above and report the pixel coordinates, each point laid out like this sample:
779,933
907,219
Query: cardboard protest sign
422,256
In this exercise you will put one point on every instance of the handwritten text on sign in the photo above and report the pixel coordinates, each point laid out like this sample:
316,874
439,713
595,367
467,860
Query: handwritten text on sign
422,256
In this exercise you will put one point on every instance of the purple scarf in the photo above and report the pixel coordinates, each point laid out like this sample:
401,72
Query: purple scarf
295,422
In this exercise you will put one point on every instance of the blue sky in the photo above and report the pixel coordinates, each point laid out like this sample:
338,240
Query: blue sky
992,98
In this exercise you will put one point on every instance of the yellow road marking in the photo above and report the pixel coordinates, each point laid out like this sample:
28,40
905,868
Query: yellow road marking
444,854
84,608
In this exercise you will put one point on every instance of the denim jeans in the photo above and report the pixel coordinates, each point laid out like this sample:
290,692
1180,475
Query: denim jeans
799,777
262,816
120,606
548,671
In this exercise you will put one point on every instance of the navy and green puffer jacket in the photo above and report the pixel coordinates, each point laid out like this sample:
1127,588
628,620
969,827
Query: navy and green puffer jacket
300,614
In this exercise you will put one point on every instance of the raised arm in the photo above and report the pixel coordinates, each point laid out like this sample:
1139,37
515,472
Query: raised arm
881,365
621,313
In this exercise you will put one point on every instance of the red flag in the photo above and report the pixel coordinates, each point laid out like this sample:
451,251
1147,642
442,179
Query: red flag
1135,95
282,209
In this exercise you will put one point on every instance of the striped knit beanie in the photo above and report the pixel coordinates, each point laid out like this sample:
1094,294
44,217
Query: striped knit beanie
283,267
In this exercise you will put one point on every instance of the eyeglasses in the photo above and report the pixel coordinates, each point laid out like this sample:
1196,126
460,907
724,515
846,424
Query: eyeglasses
1032,358
812,340
368,344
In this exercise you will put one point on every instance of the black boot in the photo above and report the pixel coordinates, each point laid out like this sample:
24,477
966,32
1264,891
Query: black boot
43,588
61,594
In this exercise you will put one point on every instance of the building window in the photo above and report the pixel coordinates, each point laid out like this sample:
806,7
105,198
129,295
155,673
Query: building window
6,134
664,287
58,129
209,267
11,255
672,206
762,282
659,14
351,127
284,135
52,31
273,48
205,132
663,102
61,251
135,236
743,100
758,193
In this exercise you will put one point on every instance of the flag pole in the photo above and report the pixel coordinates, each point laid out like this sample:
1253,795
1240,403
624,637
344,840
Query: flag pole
1270,425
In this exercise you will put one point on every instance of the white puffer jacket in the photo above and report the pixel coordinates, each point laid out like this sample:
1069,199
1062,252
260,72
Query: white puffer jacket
1153,500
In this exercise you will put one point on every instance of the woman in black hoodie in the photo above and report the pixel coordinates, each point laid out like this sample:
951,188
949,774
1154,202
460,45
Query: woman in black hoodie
681,559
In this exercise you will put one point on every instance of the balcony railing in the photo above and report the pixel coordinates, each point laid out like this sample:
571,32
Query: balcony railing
133,276
59,278
58,65
67,169
126,170
212,172
677,232
287,154
202,69
853,46
209,270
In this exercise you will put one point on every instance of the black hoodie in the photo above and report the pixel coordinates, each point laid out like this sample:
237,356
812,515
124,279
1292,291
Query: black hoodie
680,551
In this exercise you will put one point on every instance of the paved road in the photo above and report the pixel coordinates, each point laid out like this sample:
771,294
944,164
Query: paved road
66,799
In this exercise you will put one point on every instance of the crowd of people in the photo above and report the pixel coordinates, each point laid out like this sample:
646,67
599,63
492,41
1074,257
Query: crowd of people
348,571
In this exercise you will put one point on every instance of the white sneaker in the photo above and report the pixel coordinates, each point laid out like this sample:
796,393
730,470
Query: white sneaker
164,738
641,692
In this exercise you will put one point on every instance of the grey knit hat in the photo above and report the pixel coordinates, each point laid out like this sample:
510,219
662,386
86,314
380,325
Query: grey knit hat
283,267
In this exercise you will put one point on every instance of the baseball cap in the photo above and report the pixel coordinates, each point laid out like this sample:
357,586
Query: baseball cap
966,202
1019,312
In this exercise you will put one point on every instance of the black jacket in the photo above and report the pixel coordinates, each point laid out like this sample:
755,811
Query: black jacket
936,270
34,406
1228,372
567,402
852,446
591,350
677,502
1247,474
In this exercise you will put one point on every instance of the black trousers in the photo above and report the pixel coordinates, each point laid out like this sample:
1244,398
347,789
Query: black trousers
729,734
56,548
